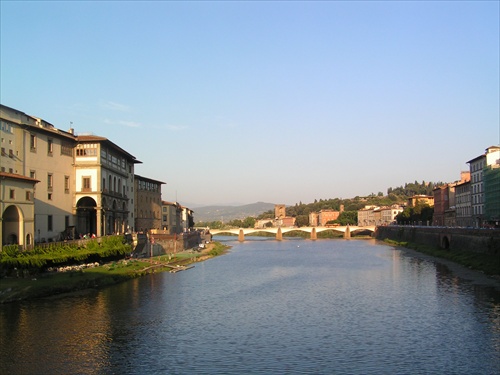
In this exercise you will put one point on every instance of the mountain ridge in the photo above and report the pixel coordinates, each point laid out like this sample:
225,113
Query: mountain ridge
227,213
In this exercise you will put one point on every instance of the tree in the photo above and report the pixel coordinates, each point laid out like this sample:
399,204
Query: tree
420,214
302,220
347,218
249,222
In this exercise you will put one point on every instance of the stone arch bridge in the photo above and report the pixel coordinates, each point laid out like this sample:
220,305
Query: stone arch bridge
279,232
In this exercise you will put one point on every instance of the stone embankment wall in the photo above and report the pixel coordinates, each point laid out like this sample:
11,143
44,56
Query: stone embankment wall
477,240
160,243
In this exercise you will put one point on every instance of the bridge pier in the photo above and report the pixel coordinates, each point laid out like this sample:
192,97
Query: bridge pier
314,236
347,233
279,235
241,236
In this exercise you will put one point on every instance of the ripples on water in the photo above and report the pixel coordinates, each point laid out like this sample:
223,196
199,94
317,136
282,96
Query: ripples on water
268,307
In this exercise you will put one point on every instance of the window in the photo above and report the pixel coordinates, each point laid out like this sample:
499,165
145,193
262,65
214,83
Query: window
50,224
66,184
11,153
32,142
50,147
28,195
50,181
66,149
49,196
12,194
3,152
86,149
86,183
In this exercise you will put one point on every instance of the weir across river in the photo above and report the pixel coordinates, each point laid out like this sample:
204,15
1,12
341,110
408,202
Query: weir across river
280,231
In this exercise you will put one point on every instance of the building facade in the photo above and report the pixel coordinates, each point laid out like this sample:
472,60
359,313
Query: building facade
18,209
421,199
104,187
463,205
324,216
34,148
491,175
373,215
148,203
56,183
171,213
491,157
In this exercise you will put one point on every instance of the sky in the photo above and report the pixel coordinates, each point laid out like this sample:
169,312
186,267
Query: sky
235,102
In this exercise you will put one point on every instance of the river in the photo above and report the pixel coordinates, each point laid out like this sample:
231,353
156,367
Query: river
266,307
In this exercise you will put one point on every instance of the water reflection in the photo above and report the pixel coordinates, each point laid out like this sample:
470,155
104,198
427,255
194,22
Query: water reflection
320,307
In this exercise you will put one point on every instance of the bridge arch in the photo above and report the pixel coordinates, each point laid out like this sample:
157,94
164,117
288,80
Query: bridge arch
280,232
444,242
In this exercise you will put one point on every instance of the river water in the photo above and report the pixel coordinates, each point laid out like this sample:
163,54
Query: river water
266,307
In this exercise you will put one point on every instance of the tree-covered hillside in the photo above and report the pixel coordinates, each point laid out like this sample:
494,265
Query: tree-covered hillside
301,211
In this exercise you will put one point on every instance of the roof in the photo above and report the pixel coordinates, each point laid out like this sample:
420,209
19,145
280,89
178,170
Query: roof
37,125
95,138
14,176
148,179
489,149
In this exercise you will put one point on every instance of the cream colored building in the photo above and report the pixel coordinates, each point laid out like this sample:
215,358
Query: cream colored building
187,220
388,214
372,215
171,217
366,216
85,183
18,209
104,187
34,148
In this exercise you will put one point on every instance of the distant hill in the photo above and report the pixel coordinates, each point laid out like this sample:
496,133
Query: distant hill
228,213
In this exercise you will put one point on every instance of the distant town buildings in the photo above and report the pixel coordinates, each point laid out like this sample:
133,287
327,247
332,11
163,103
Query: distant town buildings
374,215
421,199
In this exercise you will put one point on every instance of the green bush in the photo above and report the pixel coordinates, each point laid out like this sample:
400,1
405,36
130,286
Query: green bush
42,256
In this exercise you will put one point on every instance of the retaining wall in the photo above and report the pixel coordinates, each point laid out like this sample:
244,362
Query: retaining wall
478,240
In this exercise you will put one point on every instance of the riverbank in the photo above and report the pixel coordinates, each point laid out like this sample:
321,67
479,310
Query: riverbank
465,266
84,280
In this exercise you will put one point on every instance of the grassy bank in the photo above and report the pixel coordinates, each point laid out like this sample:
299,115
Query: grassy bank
487,263
57,283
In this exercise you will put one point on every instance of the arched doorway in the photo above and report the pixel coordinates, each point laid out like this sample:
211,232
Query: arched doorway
86,216
11,222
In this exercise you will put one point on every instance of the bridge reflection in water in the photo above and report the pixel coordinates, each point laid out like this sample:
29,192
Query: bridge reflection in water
280,231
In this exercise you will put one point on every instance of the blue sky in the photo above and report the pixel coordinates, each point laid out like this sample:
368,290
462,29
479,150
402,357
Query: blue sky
281,102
